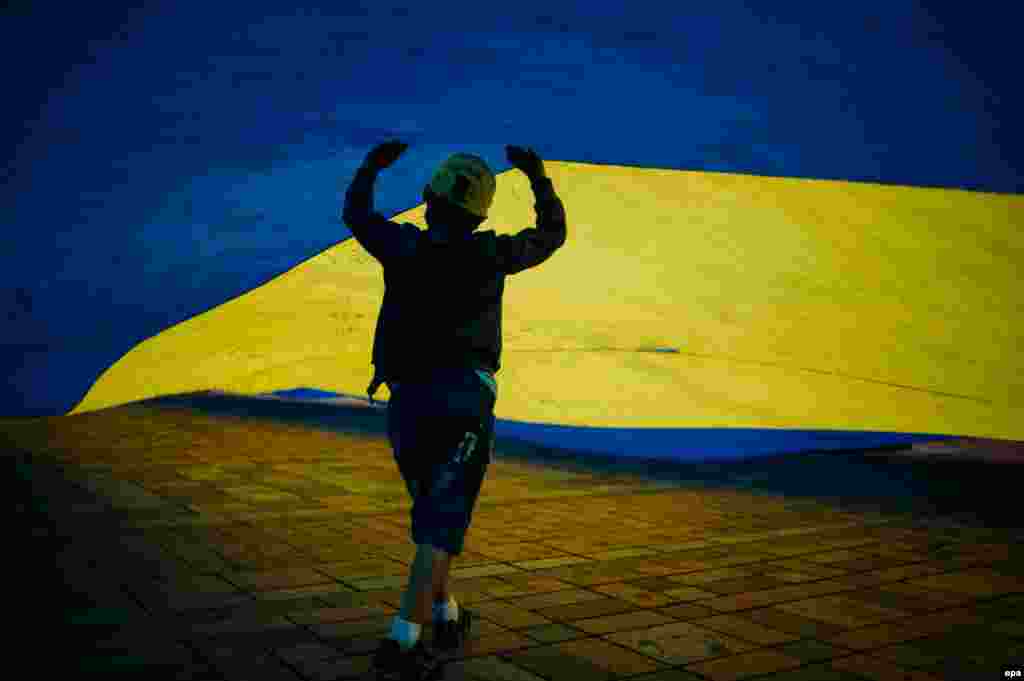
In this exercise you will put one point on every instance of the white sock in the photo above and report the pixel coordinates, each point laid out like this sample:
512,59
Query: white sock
446,611
406,633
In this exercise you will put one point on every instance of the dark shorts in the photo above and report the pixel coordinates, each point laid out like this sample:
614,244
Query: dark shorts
442,436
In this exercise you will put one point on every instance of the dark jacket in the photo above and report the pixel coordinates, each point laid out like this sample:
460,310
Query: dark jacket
442,292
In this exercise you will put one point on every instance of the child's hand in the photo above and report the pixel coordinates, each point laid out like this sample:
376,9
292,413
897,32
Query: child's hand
526,160
384,155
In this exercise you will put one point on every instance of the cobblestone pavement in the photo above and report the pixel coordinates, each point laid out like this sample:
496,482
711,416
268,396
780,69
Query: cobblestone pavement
156,540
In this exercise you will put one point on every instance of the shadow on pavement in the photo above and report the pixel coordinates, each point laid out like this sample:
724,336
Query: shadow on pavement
886,480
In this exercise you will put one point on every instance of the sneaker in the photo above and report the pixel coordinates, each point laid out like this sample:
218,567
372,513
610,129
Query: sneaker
416,664
453,633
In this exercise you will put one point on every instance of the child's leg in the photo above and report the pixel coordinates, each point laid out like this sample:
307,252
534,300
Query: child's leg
442,565
416,600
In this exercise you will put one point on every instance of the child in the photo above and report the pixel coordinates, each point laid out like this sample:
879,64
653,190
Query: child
438,346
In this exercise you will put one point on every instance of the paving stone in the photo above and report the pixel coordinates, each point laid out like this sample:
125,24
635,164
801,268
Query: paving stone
655,584
680,643
327,615
265,580
552,633
776,618
793,577
708,576
973,641
590,574
333,632
305,652
497,643
323,592
639,597
902,630
246,663
842,610
742,584
686,611
813,672
616,554
811,650
493,569
245,624
543,563
937,600
715,579
548,661
878,669
182,601
563,597
579,611
636,619
669,675
977,583
895,600
334,667
120,665
377,583
783,594
607,657
912,654
744,665
361,569
514,615
744,628
1010,628
490,668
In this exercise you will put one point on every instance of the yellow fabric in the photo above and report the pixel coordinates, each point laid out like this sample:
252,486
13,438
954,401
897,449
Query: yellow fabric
793,303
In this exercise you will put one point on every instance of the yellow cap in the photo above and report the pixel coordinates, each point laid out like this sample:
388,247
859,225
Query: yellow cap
467,181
